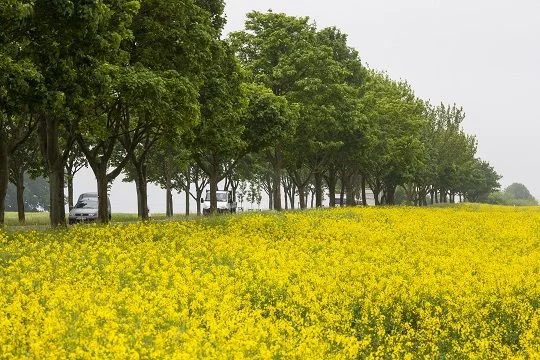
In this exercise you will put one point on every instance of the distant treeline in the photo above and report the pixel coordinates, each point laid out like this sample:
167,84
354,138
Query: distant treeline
151,89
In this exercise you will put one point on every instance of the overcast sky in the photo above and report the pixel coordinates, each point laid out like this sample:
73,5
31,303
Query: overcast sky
482,55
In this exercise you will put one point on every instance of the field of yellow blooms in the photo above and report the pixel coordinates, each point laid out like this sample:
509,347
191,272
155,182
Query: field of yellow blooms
456,282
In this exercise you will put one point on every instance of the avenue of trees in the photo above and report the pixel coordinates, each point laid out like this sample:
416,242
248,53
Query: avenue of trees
152,91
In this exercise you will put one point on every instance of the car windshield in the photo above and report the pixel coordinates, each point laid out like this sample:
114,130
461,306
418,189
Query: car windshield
87,204
221,196
88,196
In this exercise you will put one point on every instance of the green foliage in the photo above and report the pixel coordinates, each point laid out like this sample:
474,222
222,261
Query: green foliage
479,180
514,194
222,101
268,118
395,150
520,192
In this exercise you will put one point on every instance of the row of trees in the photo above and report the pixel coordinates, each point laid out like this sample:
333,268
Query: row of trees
150,89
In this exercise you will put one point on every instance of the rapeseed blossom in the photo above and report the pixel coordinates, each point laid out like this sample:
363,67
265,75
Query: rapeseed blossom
456,282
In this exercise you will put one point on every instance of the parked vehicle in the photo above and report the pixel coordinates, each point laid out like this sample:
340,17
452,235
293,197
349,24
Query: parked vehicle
86,208
225,202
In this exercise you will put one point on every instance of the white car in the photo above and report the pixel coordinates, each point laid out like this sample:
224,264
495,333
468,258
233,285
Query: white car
86,209
225,202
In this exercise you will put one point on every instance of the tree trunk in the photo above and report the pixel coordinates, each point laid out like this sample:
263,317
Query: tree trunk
199,195
302,197
214,179
57,213
288,188
20,196
390,194
234,188
49,137
276,180
363,189
136,179
270,192
318,189
102,186
187,188
4,173
422,195
142,189
168,202
292,196
342,193
276,190
142,193
70,190
349,190
376,191
168,196
331,181
186,199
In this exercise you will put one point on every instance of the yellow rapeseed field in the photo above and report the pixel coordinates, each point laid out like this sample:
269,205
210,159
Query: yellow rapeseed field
456,282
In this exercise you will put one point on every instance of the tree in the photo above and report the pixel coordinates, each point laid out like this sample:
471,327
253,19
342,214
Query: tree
218,137
518,193
168,166
270,122
18,79
268,49
395,149
14,133
166,105
74,46
350,125
24,161
481,180
172,41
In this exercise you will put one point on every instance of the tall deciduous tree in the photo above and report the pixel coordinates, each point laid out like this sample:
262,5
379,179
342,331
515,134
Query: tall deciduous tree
268,49
396,149
172,39
74,45
218,137
18,79
270,122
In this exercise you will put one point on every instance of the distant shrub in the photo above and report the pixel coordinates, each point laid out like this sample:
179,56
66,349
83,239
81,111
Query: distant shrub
515,194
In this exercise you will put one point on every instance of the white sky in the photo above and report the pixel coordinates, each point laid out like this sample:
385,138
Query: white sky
482,55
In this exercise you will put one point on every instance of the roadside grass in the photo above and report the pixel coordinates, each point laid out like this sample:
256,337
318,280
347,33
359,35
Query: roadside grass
39,221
